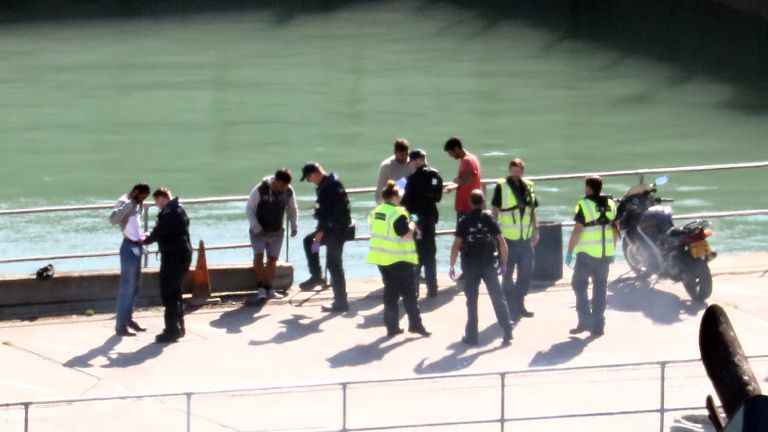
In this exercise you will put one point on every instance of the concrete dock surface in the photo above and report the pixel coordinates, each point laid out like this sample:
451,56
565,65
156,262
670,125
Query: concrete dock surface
290,342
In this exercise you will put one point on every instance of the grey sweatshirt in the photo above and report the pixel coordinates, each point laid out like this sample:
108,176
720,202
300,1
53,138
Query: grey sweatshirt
253,203
122,211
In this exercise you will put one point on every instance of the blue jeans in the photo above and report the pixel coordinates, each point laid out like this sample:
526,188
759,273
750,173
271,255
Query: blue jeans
130,275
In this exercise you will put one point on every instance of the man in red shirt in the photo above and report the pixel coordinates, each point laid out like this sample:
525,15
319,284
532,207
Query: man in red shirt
468,178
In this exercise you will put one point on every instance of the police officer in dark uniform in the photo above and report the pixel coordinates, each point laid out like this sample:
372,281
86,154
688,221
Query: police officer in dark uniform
172,235
478,237
423,190
333,229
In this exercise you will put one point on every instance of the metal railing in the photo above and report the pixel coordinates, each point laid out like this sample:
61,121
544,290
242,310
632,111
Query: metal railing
640,173
343,388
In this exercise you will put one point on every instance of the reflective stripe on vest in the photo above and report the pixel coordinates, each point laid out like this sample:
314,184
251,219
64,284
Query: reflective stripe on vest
385,246
515,226
596,240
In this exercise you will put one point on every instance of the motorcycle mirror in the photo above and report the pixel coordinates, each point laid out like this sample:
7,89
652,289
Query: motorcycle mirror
660,181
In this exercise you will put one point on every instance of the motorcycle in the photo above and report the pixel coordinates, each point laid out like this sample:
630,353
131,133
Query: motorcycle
653,245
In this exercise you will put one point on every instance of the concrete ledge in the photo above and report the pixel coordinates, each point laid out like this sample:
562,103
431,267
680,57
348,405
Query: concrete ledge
77,292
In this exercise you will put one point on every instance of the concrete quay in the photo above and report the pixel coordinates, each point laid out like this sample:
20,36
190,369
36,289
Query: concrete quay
291,342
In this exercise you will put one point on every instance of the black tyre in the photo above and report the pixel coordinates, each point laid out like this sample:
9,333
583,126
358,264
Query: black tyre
698,280
637,260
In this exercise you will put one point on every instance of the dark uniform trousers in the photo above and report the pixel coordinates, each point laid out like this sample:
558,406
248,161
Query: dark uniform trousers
334,251
173,266
591,314
425,247
400,281
520,257
474,272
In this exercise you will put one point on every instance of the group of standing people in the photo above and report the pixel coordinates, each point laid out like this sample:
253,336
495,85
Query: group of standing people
403,226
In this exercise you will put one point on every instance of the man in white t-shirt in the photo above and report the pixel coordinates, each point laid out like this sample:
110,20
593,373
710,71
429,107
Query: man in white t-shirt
127,215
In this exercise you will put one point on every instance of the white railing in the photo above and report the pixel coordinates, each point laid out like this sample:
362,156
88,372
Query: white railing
343,388
641,173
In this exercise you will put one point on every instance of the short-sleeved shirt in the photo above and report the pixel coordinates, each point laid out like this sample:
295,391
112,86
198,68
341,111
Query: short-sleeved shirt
478,232
469,163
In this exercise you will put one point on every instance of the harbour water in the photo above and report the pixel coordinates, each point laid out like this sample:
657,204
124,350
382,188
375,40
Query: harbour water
208,104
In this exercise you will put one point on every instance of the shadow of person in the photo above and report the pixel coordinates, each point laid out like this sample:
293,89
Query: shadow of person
295,328
124,360
361,354
637,295
84,360
234,320
444,296
462,356
561,352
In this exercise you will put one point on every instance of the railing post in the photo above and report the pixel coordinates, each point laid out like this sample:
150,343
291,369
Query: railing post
26,416
189,411
662,409
641,179
502,418
146,228
343,407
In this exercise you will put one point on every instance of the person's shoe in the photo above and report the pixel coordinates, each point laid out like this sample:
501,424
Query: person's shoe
273,295
432,293
123,331
597,331
507,339
133,325
394,332
311,283
261,294
579,329
420,330
167,338
334,309
469,341
526,314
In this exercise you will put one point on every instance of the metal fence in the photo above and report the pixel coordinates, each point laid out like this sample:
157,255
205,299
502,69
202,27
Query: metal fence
640,173
498,388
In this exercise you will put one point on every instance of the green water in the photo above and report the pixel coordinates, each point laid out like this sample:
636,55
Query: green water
207,105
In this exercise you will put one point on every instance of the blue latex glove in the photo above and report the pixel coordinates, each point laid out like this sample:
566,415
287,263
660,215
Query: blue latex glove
315,246
452,274
503,269
568,258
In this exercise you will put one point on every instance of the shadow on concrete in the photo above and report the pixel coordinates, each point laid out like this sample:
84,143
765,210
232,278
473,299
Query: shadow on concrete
362,354
462,356
426,304
234,320
561,352
84,360
294,328
632,295
126,360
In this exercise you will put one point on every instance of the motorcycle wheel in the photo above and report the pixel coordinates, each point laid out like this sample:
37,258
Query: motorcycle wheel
637,262
698,281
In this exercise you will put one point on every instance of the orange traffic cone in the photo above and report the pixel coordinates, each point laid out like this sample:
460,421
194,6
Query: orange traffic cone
201,283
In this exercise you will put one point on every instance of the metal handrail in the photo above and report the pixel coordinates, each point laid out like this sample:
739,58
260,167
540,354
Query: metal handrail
691,216
501,419
237,198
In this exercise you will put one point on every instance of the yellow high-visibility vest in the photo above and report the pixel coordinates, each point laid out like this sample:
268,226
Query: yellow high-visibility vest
596,238
385,246
515,226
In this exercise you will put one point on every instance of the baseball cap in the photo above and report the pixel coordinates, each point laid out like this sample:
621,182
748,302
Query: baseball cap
417,154
308,169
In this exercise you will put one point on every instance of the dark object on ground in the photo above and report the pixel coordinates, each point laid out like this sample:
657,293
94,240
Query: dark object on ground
45,273
725,363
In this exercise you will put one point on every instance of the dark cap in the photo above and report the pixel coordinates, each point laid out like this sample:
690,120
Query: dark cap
417,154
308,169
